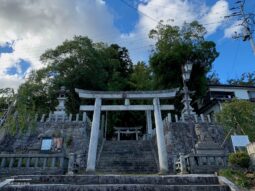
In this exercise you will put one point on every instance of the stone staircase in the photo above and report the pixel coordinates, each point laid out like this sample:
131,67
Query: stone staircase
127,157
116,183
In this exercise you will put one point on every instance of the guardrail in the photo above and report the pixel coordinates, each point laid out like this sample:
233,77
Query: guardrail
200,163
32,164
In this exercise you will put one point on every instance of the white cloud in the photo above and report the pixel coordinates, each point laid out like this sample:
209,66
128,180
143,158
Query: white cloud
215,17
35,26
173,12
234,29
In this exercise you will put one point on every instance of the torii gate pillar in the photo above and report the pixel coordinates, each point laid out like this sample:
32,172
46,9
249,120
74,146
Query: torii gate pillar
162,154
91,161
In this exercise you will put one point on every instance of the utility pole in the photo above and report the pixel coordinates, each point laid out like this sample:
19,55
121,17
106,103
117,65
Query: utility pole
247,20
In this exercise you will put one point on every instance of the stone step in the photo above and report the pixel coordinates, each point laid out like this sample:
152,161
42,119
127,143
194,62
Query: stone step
114,187
129,156
122,179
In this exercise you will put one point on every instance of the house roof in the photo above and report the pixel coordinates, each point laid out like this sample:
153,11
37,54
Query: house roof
226,86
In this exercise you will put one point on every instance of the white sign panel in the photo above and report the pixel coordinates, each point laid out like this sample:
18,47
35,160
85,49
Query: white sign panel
46,144
239,141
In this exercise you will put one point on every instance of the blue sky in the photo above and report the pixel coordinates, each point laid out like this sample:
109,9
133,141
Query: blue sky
28,28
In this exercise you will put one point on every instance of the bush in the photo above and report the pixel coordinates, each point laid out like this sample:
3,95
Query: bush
236,176
240,159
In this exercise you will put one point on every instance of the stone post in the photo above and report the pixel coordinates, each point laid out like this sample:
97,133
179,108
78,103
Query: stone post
36,117
176,118
162,153
183,164
169,118
71,164
91,162
28,162
196,118
202,117
36,162
42,119
70,117
77,117
118,137
3,162
53,161
209,118
19,162
149,123
84,116
11,162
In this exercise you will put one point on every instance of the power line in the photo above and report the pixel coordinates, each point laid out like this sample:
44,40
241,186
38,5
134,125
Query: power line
127,4
247,22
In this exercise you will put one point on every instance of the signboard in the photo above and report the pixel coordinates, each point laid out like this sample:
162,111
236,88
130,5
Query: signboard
239,142
52,144
46,144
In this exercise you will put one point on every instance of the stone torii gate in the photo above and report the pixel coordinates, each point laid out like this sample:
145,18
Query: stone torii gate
127,96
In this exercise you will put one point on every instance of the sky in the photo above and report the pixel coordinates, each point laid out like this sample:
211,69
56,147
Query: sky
29,27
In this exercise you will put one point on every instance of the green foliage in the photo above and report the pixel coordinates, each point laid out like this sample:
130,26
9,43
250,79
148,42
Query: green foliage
213,79
141,78
77,63
238,114
240,159
236,176
6,97
174,47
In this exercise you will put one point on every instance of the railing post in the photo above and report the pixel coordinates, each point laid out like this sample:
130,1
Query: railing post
176,118
44,162
19,162
36,117
209,118
3,162
77,117
53,161
169,117
62,162
36,162
11,162
183,119
183,164
42,119
70,117
71,163
28,162
196,118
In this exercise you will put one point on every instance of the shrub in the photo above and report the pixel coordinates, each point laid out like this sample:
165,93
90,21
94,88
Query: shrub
236,176
240,159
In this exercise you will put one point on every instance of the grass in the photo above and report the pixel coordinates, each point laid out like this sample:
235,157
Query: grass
239,177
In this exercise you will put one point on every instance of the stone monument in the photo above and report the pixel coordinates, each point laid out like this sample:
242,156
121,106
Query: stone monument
60,113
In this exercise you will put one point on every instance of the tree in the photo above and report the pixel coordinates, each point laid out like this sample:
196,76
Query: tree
213,79
77,63
239,115
174,47
246,79
6,96
141,78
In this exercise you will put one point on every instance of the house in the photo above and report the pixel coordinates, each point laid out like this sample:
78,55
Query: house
211,103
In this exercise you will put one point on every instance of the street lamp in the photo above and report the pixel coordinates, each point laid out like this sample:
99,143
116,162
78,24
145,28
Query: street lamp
186,72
